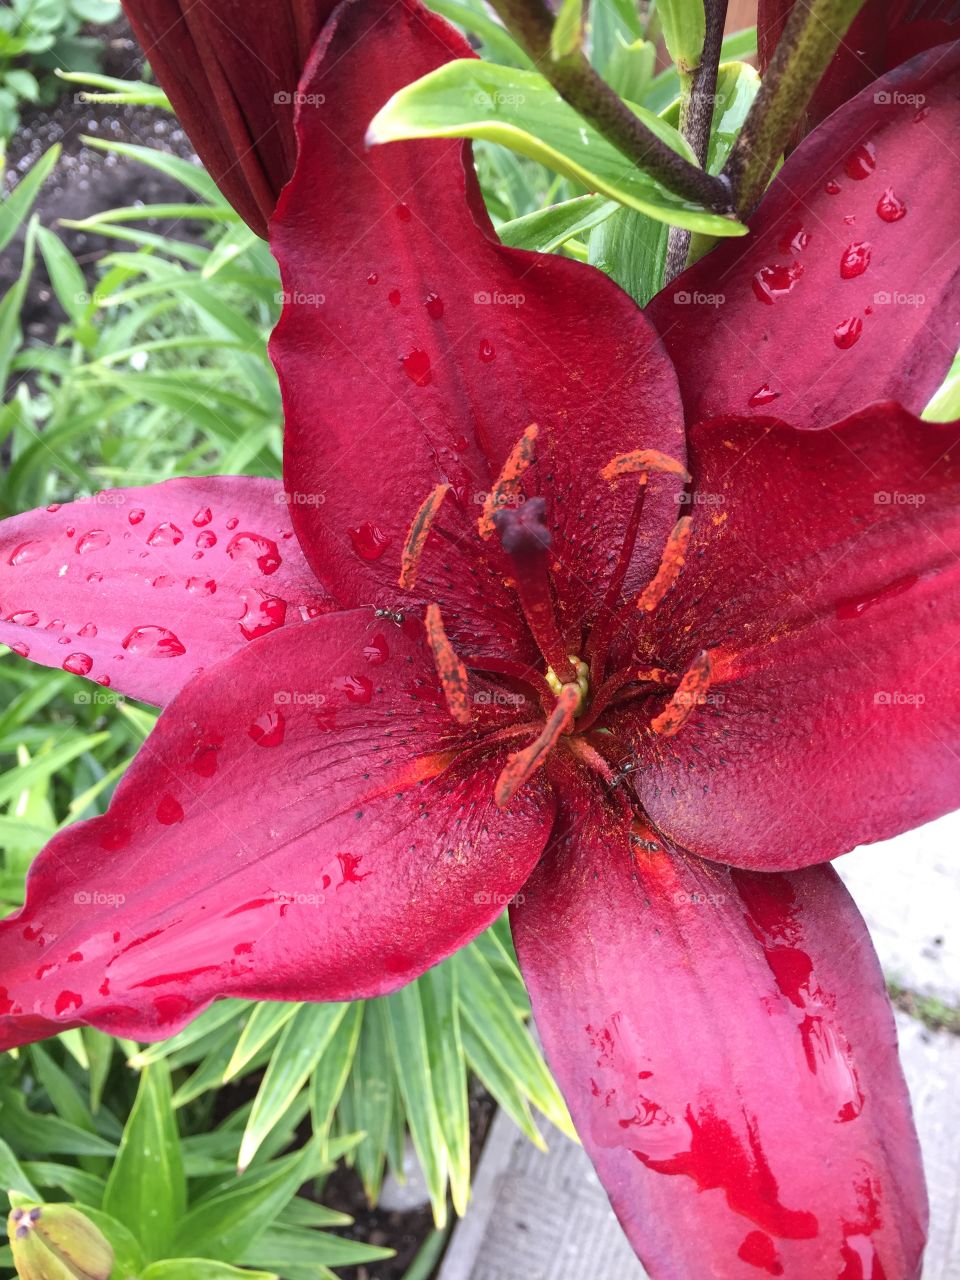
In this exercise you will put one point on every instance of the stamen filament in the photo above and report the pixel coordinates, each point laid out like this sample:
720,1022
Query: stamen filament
599,640
523,764
453,674
671,562
417,537
507,487
689,694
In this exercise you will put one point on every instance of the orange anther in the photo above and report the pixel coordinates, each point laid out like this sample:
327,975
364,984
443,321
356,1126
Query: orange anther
523,764
672,561
644,461
689,694
507,487
452,672
417,537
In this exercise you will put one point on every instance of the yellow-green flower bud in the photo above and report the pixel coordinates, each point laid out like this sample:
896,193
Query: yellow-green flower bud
56,1242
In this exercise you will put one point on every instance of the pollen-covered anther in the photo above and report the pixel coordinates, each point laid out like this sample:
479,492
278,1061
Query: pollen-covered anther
453,674
506,490
643,461
417,537
672,561
688,695
523,764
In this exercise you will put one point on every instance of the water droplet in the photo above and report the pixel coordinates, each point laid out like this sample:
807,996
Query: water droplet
169,811
890,207
201,586
203,516
262,614
205,761
773,282
55,624
358,689
848,332
763,395
372,278
922,113
794,238
254,549
854,608
104,680
269,729
96,576
19,648
153,642
95,540
369,541
164,580
28,552
855,259
393,297
70,531
206,540
79,664
487,351
165,535
24,618
88,630
66,1001
232,522
861,161
54,506
416,365
375,651
403,212
434,306
832,188
136,515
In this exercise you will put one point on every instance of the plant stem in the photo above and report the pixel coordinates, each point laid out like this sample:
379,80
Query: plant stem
530,22
809,41
696,116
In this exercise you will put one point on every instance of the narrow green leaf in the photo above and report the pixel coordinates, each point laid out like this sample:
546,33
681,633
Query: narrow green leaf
15,207
566,34
146,1190
331,1073
448,1071
370,1099
207,1268
85,1188
684,25
265,1021
547,229
12,1175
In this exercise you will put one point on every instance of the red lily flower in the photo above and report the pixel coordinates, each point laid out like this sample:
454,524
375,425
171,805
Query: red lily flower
538,683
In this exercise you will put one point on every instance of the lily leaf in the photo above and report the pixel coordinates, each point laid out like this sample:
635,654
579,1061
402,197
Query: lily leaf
468,98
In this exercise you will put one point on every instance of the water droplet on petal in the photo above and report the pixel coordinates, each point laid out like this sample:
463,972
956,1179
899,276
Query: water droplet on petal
922,113
848,332
403,212
202,586
861,161
416,365
169,811
165,535
855,259
369,541
254,549
203,516
96,576
88,630
164,580
206,540
832,188
136,515
66,1001
262,614
153,642
847,610
434,306
372,278
232,522
104,680
487,351
24,618
890,207
28,552
54,506
794,238
763,395
269,729
79,664
393,297
773,282
22,649
375,651
358,689
95,540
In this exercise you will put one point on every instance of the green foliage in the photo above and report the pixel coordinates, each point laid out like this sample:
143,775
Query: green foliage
37,37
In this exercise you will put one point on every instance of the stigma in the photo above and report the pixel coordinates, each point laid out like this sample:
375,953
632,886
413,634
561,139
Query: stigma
582,682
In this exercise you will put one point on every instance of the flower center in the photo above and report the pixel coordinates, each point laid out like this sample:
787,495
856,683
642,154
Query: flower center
580,686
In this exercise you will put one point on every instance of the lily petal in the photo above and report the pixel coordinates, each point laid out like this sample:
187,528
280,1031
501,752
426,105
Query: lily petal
414,350
295,828
728,1053
140,589
823,576
230,71
843,294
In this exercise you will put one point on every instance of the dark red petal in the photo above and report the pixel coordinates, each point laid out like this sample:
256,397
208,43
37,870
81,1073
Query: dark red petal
823,574
139,589
299,826
230,69
844,293
728,1053
415,350
882,35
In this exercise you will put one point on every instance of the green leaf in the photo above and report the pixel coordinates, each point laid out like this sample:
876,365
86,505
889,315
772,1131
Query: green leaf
18,203
331,1073
520,110
411,1060
566,34
282,1246
299,1049
548,229
265,1021
944,405
12,1176
630,69
12,303
473,18
684,25
42,1135
69,283
370,1099
83,1187
127,1254
207,1268
146,1190
448,1071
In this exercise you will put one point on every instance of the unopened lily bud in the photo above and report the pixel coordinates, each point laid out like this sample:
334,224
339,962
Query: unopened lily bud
56,1242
